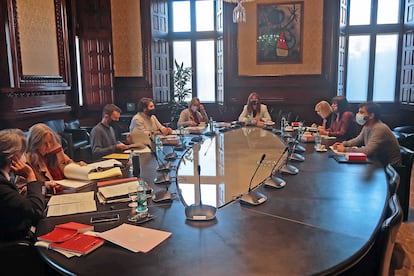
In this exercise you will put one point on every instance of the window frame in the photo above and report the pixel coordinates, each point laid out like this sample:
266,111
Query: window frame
372,30
193,36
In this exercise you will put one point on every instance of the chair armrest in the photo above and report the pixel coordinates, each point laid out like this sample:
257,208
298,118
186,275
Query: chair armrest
78,134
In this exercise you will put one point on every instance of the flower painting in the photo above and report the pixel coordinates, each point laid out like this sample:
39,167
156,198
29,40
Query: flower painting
279,32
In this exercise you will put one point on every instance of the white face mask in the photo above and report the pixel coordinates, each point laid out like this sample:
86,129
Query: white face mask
360,119
194,108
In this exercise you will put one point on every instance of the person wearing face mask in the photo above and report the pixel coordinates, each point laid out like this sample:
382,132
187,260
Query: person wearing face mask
376,139
254,112
18,213
343,125
46,156
103,139
193,115
145,120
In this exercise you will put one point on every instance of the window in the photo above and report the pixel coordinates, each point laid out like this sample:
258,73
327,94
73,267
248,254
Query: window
371,40
195,35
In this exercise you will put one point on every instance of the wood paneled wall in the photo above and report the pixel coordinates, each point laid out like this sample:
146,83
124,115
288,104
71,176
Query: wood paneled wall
25,100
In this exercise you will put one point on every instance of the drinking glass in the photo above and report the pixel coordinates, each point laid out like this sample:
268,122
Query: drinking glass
133,193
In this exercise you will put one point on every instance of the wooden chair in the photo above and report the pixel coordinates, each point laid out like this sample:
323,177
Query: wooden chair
73,138
393,179
377,261
389,230
403,191
19,257
81,147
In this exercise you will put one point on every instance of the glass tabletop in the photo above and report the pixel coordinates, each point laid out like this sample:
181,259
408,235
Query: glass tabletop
227,164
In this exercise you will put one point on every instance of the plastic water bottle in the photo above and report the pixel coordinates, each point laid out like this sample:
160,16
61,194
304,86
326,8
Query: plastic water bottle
318,140
282,124
182,133
158,143
211,125
142,197
131,162
300,131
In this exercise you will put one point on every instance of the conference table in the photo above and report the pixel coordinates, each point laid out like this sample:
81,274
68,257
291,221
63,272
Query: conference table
322,222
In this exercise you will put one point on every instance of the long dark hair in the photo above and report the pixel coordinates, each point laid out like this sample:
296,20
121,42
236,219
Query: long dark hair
342,104
249,105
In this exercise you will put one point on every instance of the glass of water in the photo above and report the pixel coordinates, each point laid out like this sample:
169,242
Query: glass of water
133,194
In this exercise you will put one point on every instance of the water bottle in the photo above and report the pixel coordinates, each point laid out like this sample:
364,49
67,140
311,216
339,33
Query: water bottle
318,140
182,132
282,124
211,125
131,162
158,143
142,197
136,166
300,131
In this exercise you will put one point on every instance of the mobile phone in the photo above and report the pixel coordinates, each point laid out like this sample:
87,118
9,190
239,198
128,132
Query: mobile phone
105,218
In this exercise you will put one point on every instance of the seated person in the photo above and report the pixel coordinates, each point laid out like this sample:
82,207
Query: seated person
103,139
376,139
18,213
254,112
138,139
343,125
324,110
45,154
146,121
193,115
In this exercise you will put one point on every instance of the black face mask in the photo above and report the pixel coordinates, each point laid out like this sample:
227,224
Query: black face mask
253,102
150,112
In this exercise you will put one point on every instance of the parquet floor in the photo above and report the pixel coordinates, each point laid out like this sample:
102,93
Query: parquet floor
405,237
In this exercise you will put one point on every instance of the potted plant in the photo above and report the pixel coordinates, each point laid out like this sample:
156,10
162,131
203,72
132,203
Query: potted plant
182,89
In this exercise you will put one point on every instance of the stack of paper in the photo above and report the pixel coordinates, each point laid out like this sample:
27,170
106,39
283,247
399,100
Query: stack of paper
66,204
115,193
69,239
93,171
135,238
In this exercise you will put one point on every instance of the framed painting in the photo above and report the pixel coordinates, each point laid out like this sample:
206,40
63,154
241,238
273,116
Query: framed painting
279,33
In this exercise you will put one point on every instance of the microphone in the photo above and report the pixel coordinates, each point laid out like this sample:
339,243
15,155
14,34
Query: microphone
274,181
253,197
162,179
162,167
288,168
200,212
294,156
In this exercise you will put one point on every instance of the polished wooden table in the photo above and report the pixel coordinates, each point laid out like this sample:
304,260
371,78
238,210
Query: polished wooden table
322,222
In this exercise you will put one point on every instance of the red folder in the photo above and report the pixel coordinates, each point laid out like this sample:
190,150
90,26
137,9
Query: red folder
116,181
64,232
81,244
356,156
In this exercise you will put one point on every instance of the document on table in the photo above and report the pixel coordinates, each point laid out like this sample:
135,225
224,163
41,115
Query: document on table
78,172
66,204
73,183
138,151
135,238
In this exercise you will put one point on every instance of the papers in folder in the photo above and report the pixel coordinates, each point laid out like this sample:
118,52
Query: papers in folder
93,171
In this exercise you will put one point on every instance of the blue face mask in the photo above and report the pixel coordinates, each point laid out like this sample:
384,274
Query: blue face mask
360,119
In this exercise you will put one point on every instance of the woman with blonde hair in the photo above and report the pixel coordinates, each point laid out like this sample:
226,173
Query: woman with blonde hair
18,212
45,154
254,112
324,110
193,115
